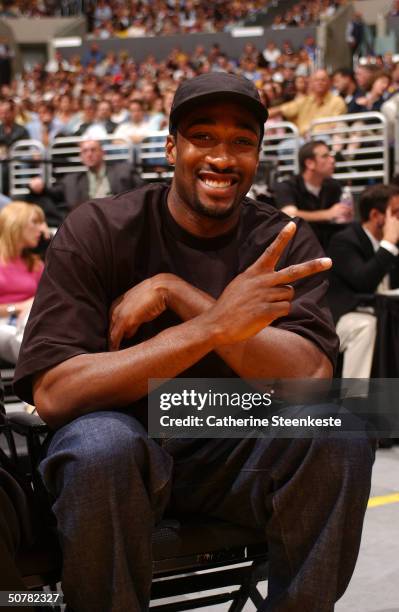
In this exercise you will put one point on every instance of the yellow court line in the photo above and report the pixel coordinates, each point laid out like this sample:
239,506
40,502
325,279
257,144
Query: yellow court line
382,500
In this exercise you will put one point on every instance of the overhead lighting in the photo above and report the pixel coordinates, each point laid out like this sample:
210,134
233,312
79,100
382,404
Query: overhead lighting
242,32
68,41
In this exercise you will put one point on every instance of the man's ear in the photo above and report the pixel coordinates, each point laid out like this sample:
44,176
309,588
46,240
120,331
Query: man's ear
375,214
309,163
170,149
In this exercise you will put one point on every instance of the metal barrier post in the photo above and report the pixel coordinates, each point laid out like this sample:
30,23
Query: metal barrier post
26,161
281,141
362,142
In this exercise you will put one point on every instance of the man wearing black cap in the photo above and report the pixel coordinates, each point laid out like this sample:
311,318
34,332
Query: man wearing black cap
173,281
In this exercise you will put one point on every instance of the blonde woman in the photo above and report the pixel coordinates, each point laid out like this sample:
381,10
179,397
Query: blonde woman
21,226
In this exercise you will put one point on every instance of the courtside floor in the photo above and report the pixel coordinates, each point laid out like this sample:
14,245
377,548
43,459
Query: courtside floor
375,583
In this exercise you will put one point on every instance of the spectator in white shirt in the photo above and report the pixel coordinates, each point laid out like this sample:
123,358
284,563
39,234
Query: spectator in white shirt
103,125
120,114
138,126
271,54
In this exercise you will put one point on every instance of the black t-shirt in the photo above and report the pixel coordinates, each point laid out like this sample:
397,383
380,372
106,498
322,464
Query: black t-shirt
293,191
107,246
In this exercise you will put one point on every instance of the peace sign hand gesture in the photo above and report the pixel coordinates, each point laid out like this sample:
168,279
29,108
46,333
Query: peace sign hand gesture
258,296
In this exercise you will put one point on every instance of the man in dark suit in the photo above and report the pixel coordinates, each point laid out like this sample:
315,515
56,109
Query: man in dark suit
99,181
365,261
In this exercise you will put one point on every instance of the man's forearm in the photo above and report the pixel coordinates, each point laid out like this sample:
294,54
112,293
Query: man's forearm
272,353
91,382
311,215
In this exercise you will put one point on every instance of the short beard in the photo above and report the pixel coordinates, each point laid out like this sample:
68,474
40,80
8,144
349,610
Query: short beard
213,213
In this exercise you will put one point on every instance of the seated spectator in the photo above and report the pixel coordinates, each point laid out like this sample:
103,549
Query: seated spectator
102,126
122,19
102,13
93,55
287,48
301,84
120,114
66,115
10,131
365,261
314,195
88,116
159,116
310,47
278,23
249,69
138,125
110,66
25,111
304,66
149,93
378,94
249,52
271,53
223,64
346,86
21,227
46,127
365,76
319,103
57,63
97,182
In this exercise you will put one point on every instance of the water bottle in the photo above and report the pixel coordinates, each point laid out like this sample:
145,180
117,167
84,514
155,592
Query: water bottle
347,199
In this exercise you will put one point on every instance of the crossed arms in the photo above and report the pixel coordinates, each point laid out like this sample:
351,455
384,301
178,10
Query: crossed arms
236,326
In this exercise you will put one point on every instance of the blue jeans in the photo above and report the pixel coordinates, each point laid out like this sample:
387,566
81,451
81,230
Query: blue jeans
112,484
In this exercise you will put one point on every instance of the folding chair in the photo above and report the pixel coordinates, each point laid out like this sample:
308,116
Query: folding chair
232,556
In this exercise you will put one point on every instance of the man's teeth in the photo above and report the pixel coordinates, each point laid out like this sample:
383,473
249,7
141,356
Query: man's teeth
219,184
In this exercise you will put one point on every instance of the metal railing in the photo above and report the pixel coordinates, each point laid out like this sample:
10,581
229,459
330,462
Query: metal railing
281,141
150,157
360,142
27,160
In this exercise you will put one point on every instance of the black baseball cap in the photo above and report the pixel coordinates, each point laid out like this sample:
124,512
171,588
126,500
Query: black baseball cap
216,86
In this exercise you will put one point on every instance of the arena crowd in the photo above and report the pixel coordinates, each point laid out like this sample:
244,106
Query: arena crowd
141,17
100,94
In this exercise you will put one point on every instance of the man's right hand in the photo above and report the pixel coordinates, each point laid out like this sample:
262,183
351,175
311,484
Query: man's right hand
391,227
36,185
339,211
258,296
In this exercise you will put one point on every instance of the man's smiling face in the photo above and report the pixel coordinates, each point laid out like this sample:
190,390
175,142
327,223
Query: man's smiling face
215,153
